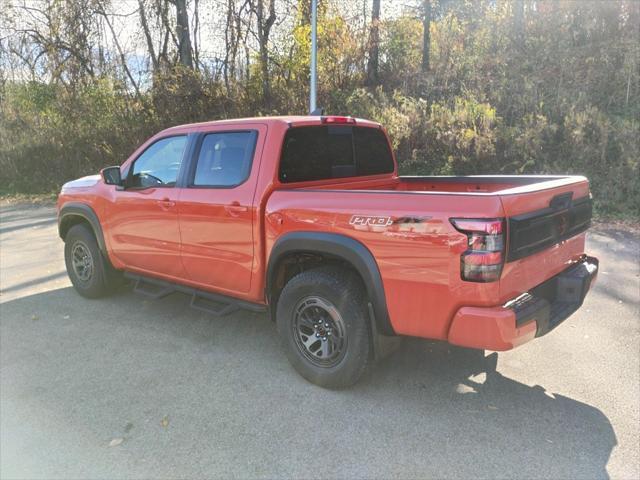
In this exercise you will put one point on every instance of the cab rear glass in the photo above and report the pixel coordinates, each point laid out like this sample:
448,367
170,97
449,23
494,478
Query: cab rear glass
333,151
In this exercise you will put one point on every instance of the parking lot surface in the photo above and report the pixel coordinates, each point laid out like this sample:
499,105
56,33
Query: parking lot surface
125,387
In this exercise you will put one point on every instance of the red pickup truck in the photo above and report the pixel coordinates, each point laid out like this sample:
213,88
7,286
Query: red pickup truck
305,217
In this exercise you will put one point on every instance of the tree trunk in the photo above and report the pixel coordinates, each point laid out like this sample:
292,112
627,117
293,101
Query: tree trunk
374,45
426,35
196,26
147,34
123,57
182,29
264,30
163,47
518,20
228,42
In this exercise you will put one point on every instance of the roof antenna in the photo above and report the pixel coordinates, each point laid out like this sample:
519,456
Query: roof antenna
313,108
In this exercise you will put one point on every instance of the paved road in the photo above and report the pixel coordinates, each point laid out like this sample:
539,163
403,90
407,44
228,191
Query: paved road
193,396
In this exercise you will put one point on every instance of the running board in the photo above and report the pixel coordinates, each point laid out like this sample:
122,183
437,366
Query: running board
214,308
213,303
151,290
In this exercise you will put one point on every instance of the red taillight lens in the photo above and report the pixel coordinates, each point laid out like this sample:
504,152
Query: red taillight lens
483,259
480,259
336,119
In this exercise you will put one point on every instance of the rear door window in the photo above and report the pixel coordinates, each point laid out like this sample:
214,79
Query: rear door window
333,151
225,159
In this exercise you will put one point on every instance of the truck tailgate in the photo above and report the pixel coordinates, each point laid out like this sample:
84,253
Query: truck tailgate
545,224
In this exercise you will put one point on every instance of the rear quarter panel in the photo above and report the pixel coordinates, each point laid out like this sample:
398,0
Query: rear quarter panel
418,254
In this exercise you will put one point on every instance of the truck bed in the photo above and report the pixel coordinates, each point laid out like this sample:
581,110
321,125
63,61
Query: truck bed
418,249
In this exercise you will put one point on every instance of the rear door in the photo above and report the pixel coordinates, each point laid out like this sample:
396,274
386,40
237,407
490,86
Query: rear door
217,209
143,218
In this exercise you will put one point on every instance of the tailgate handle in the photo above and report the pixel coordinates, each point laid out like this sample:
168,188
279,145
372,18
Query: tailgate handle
561,201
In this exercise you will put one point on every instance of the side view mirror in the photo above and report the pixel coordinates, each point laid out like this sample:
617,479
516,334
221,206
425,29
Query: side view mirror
111,176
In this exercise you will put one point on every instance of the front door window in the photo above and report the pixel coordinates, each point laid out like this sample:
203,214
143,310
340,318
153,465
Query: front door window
159,165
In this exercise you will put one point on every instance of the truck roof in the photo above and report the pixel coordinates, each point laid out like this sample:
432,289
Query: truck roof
291,120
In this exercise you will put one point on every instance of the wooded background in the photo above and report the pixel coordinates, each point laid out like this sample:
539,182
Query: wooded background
463,87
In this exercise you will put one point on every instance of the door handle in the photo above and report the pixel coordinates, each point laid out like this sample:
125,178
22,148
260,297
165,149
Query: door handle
235,209
166,203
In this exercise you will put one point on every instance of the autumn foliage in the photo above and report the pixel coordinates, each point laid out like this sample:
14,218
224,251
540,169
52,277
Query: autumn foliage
508,86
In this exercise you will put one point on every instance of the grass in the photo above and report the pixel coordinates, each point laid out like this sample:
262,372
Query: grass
12,198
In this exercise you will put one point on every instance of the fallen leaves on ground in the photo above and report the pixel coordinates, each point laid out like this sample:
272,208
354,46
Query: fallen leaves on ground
165,421
115,442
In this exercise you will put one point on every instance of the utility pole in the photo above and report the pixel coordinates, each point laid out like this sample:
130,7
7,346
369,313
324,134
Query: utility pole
314,54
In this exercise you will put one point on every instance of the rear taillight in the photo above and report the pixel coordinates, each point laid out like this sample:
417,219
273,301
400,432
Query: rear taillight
484,257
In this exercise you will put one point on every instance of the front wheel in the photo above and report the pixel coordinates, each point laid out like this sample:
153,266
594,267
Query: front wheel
323,323
89,272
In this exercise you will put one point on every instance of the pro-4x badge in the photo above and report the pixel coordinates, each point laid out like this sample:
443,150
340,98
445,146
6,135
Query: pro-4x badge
371,221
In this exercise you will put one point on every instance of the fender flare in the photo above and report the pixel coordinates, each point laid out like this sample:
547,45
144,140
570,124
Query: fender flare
75,209
345,248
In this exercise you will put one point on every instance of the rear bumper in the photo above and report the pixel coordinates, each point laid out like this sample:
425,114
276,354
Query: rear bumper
530,315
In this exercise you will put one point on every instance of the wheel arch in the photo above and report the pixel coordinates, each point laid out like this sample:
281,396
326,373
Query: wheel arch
75,213
333,247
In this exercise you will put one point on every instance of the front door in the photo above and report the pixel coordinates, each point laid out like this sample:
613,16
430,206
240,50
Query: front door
143,219
217,211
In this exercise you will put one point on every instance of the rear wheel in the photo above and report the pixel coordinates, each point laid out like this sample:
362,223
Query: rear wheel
323,323
89,272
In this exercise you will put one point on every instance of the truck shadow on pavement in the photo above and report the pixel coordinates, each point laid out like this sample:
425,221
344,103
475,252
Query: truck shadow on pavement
429,410
503,428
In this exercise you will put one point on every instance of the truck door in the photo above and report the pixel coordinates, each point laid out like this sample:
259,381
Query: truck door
216,209
143,218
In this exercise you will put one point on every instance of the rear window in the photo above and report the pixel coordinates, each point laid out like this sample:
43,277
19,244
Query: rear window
333,151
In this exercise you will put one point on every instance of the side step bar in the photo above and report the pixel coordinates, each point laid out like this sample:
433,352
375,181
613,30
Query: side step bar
214,303
151,289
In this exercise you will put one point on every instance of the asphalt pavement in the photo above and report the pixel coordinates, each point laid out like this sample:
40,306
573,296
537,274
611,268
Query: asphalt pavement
125,387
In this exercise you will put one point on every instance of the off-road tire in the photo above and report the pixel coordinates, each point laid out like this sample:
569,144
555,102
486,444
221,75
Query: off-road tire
342,289
101,278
